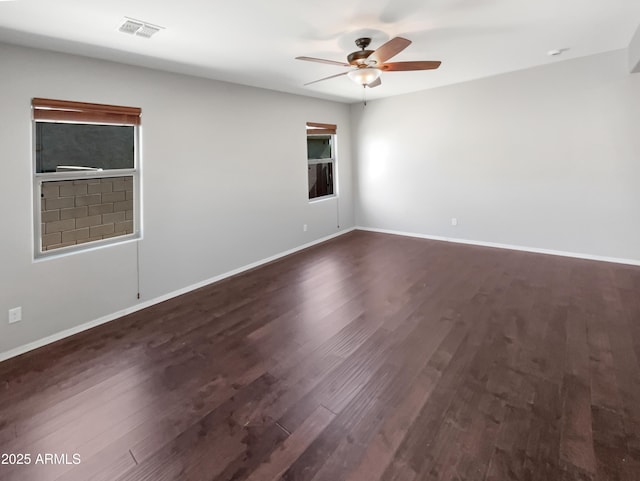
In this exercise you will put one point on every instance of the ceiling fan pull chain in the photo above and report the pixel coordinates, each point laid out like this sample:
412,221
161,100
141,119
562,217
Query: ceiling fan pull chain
364,95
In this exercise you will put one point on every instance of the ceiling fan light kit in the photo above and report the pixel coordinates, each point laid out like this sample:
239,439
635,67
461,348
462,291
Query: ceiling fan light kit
364,76
367,65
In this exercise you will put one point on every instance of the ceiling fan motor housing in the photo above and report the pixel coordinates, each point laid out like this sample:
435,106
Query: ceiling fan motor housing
359,58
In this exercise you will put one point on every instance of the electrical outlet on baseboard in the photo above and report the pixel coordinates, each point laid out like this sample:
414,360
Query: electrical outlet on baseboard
304,227
454,221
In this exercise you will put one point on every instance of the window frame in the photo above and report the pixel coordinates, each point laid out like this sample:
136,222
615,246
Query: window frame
331,160
39,178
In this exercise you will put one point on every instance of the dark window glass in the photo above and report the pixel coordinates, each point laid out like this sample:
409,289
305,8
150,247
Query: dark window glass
63,147
320,179
319,147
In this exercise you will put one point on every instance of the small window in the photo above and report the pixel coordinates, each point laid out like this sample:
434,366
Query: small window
321,159
86,175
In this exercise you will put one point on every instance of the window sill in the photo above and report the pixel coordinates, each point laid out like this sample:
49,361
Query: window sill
322,199
88,247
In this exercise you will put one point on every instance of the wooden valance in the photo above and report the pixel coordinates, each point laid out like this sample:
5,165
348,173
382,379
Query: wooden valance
49,109
314,128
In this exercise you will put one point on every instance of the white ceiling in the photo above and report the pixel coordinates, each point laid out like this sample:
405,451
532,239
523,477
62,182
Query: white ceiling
254,42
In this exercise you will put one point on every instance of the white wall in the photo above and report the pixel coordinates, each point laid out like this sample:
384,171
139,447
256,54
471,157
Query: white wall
231,159
546,158
634,53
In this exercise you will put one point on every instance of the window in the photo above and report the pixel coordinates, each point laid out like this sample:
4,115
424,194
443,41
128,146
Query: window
86,175
321,159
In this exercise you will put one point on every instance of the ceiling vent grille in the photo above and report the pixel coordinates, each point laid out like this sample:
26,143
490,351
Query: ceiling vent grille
147,31
139,28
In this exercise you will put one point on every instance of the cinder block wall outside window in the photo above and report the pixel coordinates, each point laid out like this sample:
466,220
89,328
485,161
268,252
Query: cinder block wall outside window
80,211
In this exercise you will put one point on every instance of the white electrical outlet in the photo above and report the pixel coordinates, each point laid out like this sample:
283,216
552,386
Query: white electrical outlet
454,221
15,315
304,227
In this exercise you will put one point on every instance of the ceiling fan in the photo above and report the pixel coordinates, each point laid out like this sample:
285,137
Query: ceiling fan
367,65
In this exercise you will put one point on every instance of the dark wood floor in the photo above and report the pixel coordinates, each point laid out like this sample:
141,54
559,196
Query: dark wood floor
370,357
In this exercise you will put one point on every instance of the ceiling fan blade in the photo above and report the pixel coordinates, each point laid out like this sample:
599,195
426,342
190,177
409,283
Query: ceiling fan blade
390,49
327,78
376,83
404,66
321,60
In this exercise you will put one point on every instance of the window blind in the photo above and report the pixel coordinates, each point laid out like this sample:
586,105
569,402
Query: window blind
64,110
314,128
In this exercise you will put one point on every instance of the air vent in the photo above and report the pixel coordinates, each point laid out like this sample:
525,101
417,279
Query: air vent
129,26
147,30
139,28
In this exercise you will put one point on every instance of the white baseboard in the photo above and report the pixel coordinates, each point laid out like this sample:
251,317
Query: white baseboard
536,250
142,305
